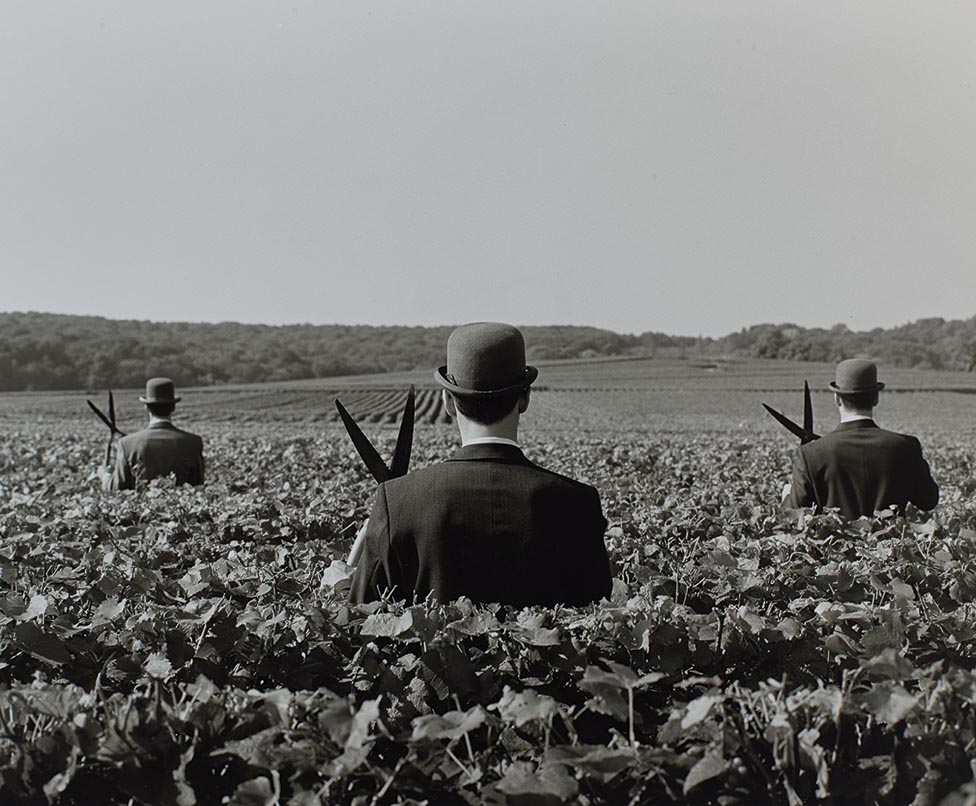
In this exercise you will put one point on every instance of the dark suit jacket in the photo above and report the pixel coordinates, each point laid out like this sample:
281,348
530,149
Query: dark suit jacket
158,450
861,469
487,524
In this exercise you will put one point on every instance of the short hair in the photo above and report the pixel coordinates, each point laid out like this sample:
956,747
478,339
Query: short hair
487,410
161,409
860,400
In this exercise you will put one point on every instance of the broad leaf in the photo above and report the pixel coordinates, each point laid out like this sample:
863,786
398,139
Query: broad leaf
387,625
452,725
36,608
338,572
158,667
699,709
889,702
33,640
709,766
525,706
548,781
594,761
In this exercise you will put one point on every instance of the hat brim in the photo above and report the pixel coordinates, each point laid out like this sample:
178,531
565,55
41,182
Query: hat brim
876,388
176,399
440,375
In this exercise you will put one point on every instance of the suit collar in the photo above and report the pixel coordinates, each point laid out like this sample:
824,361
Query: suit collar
852,425
160,423
490,452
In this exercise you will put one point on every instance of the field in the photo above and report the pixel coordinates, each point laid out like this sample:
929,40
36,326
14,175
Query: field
188,646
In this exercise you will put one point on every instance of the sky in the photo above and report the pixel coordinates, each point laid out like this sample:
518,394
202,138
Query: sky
685,167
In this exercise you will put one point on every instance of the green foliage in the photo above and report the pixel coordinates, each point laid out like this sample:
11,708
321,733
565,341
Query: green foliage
193,645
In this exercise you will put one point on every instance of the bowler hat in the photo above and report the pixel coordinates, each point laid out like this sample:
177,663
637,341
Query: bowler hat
160,390
485,359
856,375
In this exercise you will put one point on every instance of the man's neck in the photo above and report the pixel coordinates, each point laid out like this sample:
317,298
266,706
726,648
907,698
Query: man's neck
470,430
847,416
158,418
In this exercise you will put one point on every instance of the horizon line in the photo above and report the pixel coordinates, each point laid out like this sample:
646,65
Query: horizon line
452,325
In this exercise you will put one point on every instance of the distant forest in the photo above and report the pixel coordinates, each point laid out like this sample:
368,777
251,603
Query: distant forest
51,351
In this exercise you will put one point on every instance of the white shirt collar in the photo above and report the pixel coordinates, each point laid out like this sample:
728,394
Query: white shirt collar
849,418
491,441
154,419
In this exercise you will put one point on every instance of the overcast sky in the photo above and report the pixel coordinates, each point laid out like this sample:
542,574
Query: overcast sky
686,167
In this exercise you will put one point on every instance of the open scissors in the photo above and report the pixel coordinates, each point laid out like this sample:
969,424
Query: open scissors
805,432
110,422
374,462
370,456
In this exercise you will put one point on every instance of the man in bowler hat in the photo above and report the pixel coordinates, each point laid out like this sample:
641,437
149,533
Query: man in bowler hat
488,523
859,467
159,449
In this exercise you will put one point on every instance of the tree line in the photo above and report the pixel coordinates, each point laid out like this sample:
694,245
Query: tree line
40,351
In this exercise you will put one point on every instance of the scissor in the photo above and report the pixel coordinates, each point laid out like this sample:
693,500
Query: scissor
374,462
370,456
110,422
804,432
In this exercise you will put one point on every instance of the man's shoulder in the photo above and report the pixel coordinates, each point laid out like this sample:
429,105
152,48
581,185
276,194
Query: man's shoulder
883,435
146,436
424,478
558,479
829,444
877,436
906,444
188,436
135,438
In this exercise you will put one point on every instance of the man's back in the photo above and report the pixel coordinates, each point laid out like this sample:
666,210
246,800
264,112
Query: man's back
489,525
861,469
156,451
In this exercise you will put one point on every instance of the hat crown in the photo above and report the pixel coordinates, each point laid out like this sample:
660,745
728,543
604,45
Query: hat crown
486,356
160,390
856,375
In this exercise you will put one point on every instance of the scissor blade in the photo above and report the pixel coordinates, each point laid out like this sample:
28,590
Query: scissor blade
101,416
401,456
787,423
370,456
807,410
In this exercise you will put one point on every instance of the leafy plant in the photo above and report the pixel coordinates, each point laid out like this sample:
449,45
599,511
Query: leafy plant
185,645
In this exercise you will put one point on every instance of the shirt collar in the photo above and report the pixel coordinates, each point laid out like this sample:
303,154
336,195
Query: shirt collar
155,419
491,452
491,441
853,418
861,422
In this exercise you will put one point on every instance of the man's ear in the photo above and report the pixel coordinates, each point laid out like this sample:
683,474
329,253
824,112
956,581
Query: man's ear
524,400
449,406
